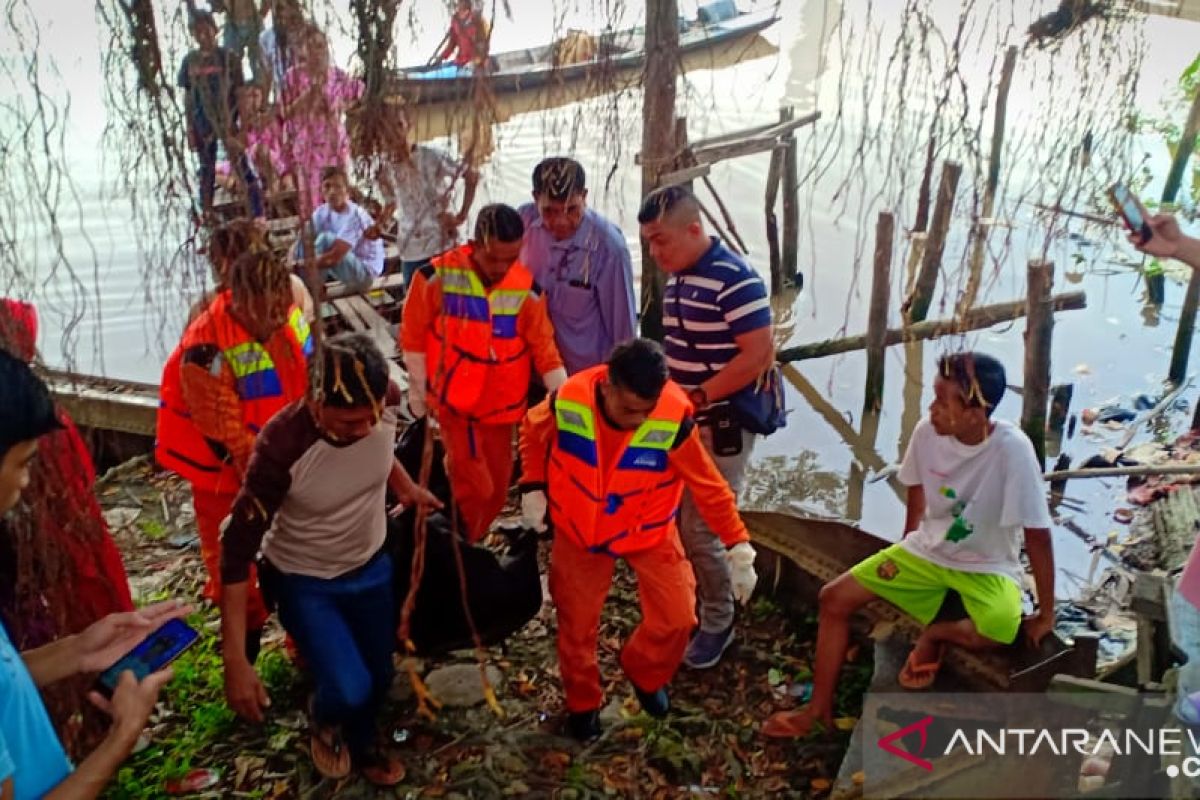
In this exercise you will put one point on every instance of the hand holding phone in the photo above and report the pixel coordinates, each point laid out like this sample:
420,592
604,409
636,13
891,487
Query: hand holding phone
1131,211
99,645
150,655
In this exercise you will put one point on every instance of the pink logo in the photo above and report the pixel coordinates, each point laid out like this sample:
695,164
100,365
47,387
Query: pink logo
921,726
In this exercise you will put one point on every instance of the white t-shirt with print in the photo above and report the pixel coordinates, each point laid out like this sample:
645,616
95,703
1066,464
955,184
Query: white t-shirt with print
424,186
350,226
978,499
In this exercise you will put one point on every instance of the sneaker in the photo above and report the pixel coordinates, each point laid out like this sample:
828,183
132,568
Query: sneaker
584,726
656,704
706,649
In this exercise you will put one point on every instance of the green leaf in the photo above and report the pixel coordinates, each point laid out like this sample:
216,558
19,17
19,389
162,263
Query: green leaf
774,676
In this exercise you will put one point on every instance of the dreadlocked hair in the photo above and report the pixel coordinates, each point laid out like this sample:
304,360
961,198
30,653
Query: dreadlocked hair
230,241
258,273
355,373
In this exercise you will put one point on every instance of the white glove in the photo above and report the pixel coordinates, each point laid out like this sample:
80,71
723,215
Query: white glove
554,379
415,363
533,510
741,567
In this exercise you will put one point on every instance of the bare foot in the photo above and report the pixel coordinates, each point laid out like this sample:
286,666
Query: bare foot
925,650
796,724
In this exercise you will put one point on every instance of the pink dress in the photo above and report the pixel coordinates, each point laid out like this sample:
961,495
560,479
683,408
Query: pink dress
316,138
266,142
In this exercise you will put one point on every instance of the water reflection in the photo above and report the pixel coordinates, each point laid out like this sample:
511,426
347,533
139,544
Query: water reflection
794,483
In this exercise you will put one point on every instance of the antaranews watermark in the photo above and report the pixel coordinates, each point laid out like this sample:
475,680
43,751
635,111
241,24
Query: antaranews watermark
1023,745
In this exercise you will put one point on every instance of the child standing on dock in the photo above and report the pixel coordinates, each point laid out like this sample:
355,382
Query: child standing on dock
974,487
210,77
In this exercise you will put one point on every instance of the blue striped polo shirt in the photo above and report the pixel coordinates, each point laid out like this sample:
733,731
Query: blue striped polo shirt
704,307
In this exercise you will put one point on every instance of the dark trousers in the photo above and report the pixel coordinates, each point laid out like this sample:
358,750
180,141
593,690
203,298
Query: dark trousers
207,156
345,629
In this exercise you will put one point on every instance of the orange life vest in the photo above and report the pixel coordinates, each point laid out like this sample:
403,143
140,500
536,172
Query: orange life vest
479,366
263,386
615,508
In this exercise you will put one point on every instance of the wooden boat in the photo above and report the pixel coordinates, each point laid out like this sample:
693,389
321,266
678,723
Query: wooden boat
605,55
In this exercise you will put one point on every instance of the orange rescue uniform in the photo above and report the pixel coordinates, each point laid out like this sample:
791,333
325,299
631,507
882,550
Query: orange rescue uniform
615,494
481,345
219,388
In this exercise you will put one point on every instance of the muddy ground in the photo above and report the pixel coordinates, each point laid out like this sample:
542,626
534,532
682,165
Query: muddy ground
708,747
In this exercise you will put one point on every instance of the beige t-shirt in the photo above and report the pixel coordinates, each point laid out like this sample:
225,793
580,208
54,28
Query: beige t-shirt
315,507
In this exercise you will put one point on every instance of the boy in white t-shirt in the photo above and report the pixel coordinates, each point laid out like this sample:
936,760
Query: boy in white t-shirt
346,238
974,486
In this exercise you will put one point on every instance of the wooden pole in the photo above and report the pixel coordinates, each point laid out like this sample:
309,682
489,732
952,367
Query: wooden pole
979,231
1060,407
922,296
773,175
1187,143
993,176
862,450
1124,472
733,231
1187,327
975,319
791,208
658,137
1039,328
877,319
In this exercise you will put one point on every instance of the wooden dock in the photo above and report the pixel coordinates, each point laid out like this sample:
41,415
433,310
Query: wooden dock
803,554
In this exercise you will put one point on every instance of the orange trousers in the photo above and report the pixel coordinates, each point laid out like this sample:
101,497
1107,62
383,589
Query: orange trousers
211,510
579,584
479,463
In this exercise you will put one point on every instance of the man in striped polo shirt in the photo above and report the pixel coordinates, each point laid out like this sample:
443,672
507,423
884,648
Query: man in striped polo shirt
717,321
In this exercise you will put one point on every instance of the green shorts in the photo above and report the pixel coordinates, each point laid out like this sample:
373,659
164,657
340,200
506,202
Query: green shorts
918,587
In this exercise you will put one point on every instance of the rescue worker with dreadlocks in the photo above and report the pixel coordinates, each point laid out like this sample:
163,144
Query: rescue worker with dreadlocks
610,454
475,327
317,484
239,362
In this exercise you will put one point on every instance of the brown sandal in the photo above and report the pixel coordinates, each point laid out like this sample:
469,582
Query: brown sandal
919,677
329,754
380,769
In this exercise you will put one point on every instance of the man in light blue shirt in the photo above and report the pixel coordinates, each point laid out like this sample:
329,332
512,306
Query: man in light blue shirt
32,761
581,262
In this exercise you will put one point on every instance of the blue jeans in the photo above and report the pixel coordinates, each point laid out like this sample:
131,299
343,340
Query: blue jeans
350,270
409,268
345,628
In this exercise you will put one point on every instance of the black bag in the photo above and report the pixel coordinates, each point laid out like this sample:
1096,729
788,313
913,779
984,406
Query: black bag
759,406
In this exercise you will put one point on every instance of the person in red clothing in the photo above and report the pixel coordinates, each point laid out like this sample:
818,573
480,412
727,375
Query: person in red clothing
608,456
71,525
468,36
242,360
474,328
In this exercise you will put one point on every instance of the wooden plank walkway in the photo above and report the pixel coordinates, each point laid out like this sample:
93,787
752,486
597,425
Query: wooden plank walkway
360,315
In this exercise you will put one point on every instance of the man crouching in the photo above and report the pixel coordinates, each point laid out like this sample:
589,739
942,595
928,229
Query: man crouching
317,483
973,485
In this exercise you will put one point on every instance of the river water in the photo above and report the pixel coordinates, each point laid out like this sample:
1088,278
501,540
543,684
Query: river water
863,156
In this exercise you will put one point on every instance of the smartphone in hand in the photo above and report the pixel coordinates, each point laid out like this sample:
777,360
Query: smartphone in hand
156,651
1130,210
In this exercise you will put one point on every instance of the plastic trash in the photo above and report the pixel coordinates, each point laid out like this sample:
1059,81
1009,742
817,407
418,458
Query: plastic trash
195,781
